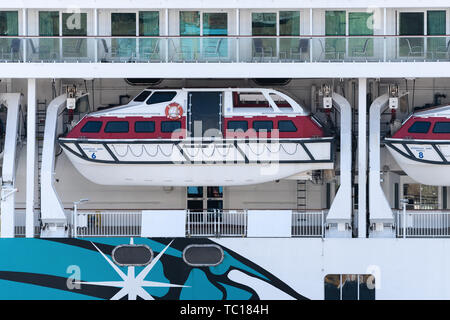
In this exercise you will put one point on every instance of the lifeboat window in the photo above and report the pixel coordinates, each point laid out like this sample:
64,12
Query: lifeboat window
237,125
170,126
163,96
263,125
92,127
441,127
116,127
203,255
142,96
286,126
250,100
419,127
279,101
144,126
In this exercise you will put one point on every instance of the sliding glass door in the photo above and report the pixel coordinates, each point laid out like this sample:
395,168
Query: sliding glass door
291,47
149,48
9,26
264,24
194,24
360,24
436,26
215,24
74,25
190,28
49,27
411,24
335,25
123,24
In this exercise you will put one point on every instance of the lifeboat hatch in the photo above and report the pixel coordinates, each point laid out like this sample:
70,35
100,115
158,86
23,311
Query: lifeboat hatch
205,114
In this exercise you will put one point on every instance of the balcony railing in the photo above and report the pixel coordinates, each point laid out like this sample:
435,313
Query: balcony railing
423,224
216,223
230,49
111,223
308,223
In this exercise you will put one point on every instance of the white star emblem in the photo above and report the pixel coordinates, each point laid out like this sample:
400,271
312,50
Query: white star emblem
132,285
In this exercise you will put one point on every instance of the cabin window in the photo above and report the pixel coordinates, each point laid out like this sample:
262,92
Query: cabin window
170,126
116,127
163,96
144,126
132,255
237,125
141,97
441,127
263,125
92,127
286,126
349,287
419,127
421,196
250,100
202,255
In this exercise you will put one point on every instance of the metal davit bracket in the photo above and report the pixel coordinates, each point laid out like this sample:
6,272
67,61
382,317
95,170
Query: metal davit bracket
379,209
52,210
340,212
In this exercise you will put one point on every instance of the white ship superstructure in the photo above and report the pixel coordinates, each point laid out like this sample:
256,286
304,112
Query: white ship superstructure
272,150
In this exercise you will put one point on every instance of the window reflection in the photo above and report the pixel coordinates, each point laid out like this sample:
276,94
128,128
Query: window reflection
48,27
335,25
149,49
215,24
9,26
411,23
360,24
75,25
264,24
189,26
349,287
421,197
122,25
436,24
291,48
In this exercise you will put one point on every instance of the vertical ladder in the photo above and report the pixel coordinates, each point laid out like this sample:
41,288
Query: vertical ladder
301,194
40,128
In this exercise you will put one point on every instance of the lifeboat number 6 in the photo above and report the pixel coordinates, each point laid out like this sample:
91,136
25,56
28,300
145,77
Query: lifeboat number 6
174,111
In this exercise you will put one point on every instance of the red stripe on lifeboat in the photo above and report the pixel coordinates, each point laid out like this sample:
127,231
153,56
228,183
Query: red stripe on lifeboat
306,128
403,132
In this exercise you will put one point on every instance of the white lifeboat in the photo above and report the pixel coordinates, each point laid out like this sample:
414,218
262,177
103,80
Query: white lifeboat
421,146
191,137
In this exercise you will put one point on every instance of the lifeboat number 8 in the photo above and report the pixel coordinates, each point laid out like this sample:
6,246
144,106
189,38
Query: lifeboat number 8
174,111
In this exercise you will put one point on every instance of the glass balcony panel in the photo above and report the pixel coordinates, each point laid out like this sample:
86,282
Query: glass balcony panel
10,49
360,24
122,25
49,49
74,25
264,24
335,25
248,49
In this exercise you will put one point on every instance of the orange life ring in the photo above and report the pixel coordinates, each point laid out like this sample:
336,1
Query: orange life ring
174,111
